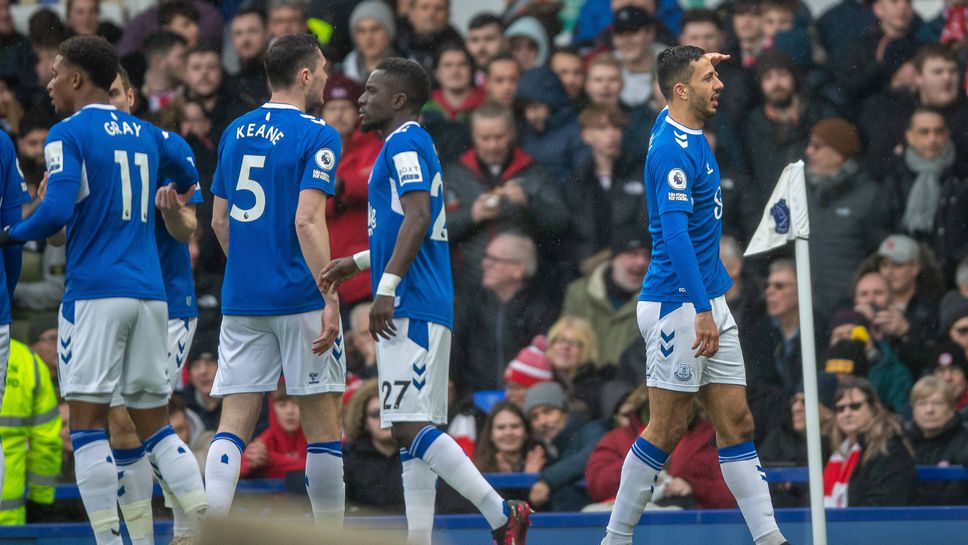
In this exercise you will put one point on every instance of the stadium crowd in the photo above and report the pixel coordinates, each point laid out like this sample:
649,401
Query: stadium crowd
541,115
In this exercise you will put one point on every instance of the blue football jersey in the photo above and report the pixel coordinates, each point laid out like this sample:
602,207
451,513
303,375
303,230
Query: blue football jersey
116,160
176,264
408,162
13,192
265,158
681,174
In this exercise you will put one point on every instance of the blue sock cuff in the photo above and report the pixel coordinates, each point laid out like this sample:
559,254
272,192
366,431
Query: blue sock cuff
232,438
737,453
127,456
79,438
650,454
334,448
157,437
405,455
423,441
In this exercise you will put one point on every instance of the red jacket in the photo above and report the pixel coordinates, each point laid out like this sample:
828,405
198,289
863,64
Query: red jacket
287,452
695,460
346,213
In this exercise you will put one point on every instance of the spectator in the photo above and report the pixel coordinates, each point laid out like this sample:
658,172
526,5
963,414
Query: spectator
950,364
608,296
527,42
846,228
189,428
195,125
501,79
361,341
604,467
202,366
164,55
41,290
567,64
568,441
837,27
596,16
180,17
747,24
31,438
11,112
373,29
146,23
573,351
494,187
786,444
83,18
910,318
531,366
607,190
456,97
15,51
633,37
939,437
872,463
603,80
371,460
961,277
502,315
286,18
549,130
424,29
204,79
43,340
250,39
745,298
780,31
281,449
464,418
931,188
30,138
485,41
507,444
346,212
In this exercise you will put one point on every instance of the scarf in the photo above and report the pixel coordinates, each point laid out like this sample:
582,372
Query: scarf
836,476
922,201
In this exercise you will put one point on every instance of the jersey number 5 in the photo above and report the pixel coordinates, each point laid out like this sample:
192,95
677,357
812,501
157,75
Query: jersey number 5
246,183
140,160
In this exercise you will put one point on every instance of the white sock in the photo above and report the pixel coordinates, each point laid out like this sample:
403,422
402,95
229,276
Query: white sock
177,466
134,494
639,473
419,496
97,481
181,525
324,482
747,481
447,459
222,471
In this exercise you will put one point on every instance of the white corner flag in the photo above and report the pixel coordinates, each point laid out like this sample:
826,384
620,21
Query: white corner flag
785,217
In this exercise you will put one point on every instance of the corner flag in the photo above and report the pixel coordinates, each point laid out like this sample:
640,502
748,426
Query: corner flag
785,217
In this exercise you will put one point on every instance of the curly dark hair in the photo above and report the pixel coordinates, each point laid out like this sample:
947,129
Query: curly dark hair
410,79
95,56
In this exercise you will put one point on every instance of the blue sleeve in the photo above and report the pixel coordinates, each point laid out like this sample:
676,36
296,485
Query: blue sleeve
322,150
218,184
675,232
12,255
52,214
670,168
408,165
177,161
14,188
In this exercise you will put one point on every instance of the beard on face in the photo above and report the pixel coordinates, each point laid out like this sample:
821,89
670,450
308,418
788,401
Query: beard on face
780,98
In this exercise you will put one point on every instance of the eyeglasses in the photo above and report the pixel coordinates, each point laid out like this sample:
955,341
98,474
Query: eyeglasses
373,414
852,406
570,343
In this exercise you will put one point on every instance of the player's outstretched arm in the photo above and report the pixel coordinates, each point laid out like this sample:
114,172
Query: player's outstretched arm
178,215
220,222
314,241
340,270
413,230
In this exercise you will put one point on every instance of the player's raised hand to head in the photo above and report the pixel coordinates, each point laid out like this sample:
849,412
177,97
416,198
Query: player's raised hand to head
716,58
335,273
329,329
381,318
707,335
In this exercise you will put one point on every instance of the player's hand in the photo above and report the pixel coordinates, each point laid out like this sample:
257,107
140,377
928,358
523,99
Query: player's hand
335,273
381,318
42,189
716,58
513,192
330,327
540,494
707,335
485,208
168,198
257,454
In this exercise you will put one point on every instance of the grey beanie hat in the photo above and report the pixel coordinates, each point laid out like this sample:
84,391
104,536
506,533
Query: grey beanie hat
545,393
954,306
375,9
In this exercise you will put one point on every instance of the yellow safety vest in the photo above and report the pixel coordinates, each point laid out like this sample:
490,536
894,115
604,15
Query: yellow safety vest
30,427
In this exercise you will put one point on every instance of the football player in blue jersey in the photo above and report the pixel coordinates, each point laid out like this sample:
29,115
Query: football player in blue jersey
103,167
276,168
412,315
691,340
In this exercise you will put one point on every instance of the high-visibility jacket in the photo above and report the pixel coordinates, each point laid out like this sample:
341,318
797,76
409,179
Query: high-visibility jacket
30,427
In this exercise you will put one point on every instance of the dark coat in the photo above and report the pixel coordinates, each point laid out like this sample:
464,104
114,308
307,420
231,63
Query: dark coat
886,479
372,479
950,447
771,147
423,49
770,361
567,456
559,146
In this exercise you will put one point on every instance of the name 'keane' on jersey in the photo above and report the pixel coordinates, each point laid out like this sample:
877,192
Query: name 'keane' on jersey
269,132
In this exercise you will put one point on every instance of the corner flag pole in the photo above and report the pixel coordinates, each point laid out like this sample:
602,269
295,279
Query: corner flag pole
818,520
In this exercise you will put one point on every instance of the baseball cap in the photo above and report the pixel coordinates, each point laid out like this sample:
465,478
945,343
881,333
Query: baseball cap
899,248
631,19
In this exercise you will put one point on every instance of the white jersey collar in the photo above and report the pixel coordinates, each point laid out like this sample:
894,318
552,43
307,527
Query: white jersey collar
100,107
400,128
680,126
280,106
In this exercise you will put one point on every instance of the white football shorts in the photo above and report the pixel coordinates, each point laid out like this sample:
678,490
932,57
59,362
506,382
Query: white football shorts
669,330
110,344
413,370
254,350
181,331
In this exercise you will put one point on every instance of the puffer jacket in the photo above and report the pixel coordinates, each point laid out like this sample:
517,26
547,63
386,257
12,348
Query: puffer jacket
948,448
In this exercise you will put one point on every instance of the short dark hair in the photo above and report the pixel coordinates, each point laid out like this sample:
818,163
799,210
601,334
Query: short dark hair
933,51
70,4
790,6
125,78
700,15
34,120
202,49
95,56
44,26
674,65
491,109
452,46
500,57
411,78
745,7
252,10
910,124
484,19
288,55
566,50
169,10
161,43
